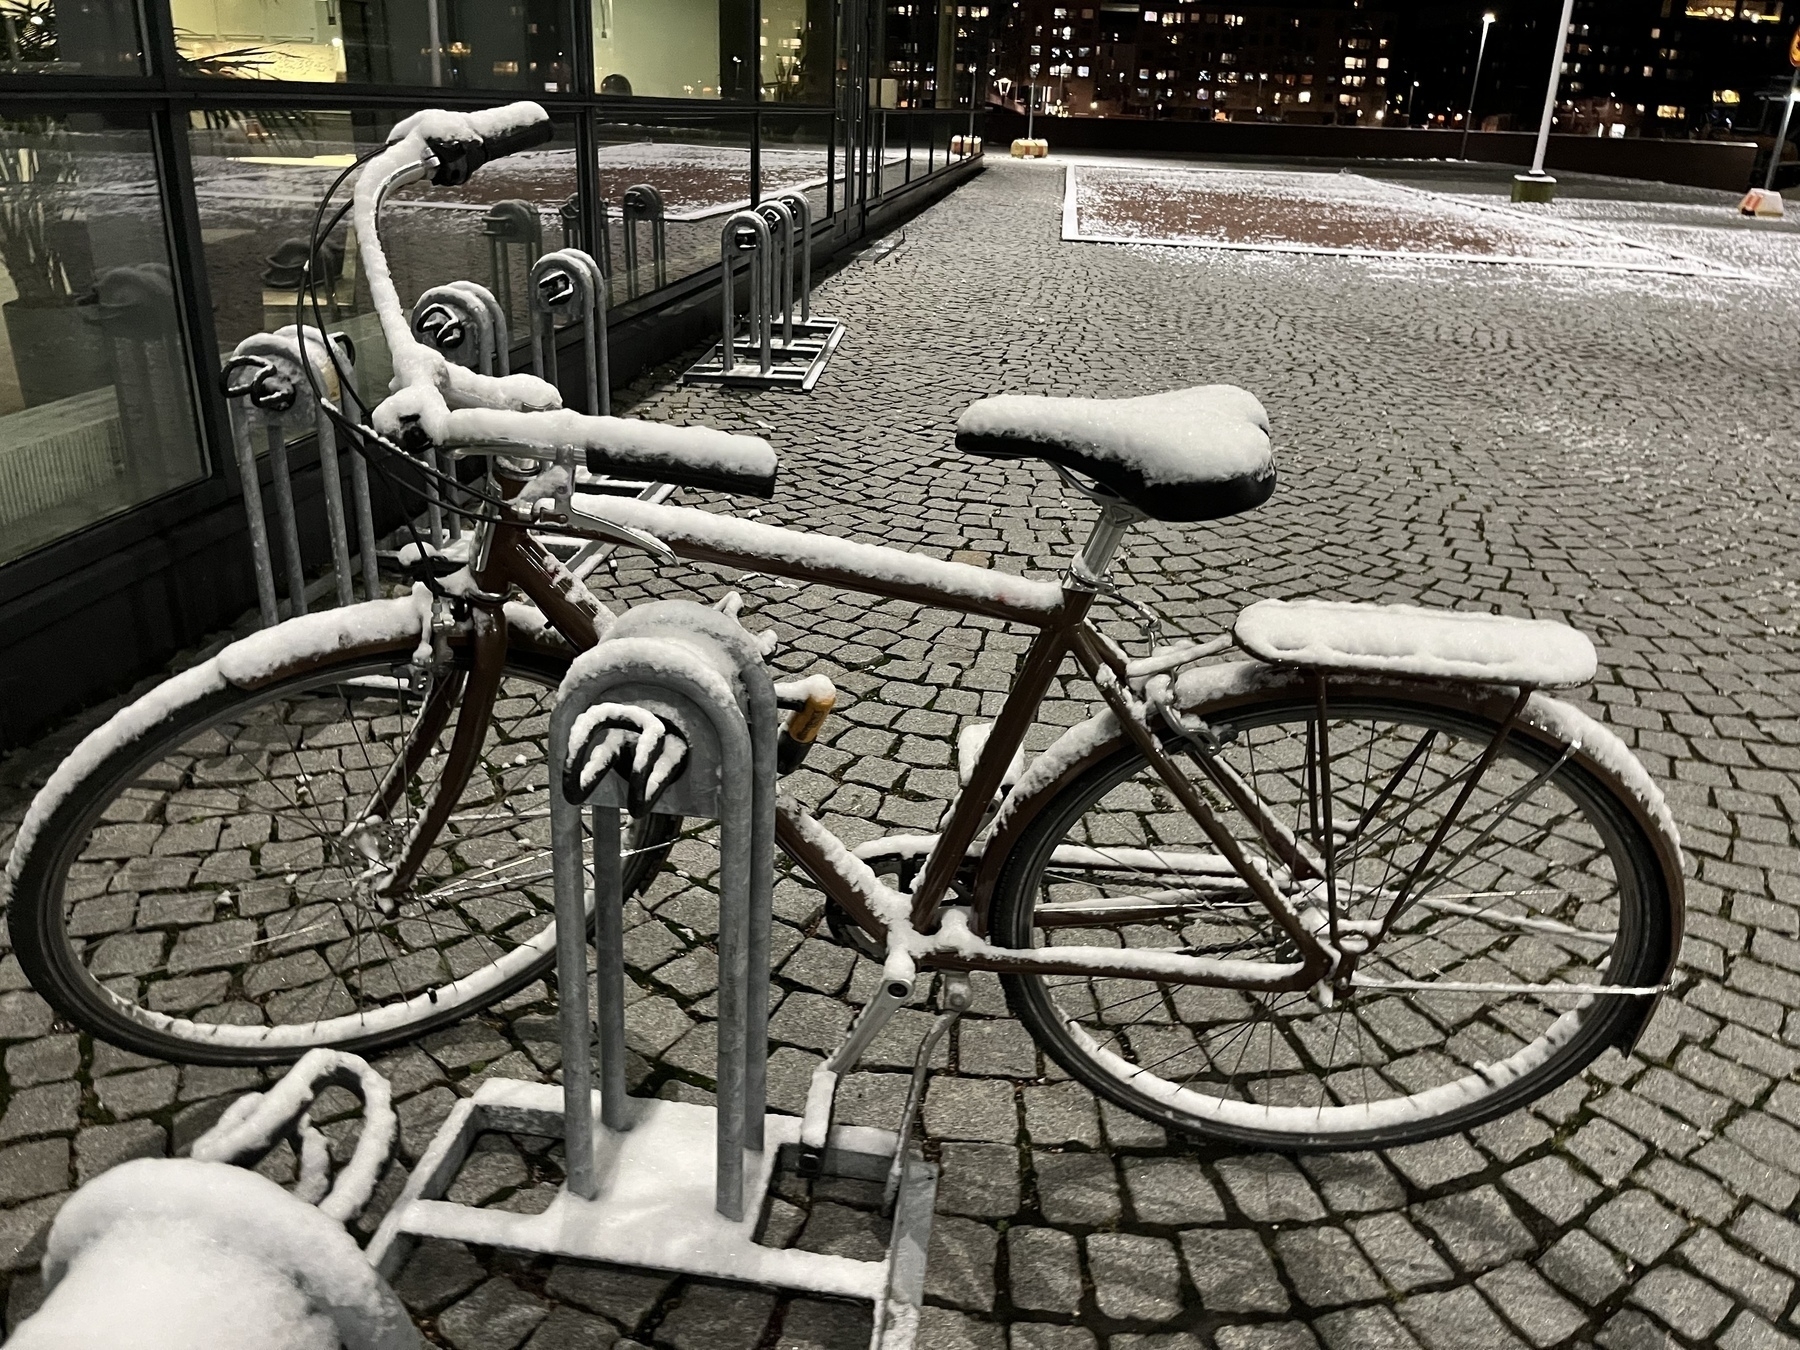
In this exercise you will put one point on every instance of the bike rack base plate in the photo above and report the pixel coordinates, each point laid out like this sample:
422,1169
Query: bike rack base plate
656,1210
796,366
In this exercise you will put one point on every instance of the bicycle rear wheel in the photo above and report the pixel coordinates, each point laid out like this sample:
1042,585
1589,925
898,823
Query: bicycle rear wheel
196,895
1545,877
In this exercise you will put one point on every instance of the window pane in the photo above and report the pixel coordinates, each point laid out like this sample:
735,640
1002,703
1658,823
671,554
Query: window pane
794,157
673,48
69,37
796,51
258,179
96,412
701,172
448,44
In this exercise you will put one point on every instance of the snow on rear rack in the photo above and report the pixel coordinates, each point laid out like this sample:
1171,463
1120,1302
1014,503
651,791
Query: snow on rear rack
1441,644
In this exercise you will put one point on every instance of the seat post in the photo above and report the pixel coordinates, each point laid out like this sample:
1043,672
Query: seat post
1089,567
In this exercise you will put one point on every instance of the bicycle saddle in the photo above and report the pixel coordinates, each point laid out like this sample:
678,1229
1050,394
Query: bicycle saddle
1188,455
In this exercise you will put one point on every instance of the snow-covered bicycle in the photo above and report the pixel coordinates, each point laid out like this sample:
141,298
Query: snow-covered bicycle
1343,877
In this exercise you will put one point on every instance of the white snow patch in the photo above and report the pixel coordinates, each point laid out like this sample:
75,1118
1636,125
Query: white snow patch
175,1254
370,623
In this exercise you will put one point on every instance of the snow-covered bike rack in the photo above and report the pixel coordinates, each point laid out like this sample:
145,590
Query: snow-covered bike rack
466,324
185,1250
781,345
569,285
271,396
512,225
672,712
644,204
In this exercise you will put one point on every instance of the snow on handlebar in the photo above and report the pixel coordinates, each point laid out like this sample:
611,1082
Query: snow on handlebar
437,403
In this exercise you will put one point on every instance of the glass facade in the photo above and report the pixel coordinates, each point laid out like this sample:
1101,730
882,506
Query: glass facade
441,44
96,406
162,163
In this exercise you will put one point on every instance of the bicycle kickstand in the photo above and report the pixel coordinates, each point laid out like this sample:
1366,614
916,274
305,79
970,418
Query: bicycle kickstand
955,1004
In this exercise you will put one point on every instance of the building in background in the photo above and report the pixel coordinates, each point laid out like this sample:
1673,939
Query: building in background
1633,67
1318,63
1679,68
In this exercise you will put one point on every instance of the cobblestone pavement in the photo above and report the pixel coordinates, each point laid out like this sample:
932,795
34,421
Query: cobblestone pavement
1613,450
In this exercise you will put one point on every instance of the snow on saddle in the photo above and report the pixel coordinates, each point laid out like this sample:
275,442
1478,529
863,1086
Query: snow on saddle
1188,455
1442,644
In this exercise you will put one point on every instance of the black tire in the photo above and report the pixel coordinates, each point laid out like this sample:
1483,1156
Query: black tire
1165,1051
210,936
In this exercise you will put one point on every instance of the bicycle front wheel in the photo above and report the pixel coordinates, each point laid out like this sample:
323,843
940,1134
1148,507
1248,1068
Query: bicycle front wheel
1544,877
198,896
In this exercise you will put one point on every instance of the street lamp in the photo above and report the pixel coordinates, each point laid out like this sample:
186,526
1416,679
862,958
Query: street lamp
1535,185
1787,113
1409,101
1487,22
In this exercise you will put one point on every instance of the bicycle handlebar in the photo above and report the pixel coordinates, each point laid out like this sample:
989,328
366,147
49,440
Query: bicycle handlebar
437,403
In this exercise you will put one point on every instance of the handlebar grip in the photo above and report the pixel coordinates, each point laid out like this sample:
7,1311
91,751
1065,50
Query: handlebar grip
459,159
740,482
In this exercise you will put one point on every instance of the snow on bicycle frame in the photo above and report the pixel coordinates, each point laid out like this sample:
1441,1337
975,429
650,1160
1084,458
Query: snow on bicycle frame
438,404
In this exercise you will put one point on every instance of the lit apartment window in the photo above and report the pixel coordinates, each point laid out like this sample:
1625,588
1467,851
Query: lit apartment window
1381,63
1671,112
1082,71
1729,97
1347,99
1649,71
1305,96
1150,16
1354,62
1234,20
1710,9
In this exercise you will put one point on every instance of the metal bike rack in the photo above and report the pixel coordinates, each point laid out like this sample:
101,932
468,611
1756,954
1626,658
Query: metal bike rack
270,396
668,1185
568,284
510,225
463,322
643,203
777,236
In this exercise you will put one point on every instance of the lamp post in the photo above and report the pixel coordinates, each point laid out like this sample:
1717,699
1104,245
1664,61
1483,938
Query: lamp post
1787,113
1487,22
1538,186
1409,101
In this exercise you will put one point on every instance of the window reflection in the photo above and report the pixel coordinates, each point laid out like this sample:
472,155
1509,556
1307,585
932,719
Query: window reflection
699,173
95,409
258,180
69,37
796,51
673,48
451,44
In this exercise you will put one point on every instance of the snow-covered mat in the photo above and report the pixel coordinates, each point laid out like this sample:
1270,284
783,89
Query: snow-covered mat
1338,213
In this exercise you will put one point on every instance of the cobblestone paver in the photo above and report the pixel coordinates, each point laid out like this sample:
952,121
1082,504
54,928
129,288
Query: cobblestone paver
1613,450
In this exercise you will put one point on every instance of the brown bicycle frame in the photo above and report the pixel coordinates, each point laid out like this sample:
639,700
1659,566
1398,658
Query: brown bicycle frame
512,557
